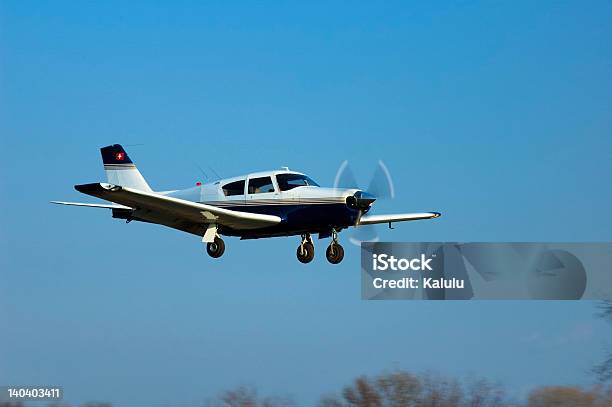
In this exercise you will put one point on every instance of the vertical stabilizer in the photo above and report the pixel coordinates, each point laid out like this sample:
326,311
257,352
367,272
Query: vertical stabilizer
120,170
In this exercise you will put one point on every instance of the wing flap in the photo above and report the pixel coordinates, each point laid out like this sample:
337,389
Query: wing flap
400,217
177,208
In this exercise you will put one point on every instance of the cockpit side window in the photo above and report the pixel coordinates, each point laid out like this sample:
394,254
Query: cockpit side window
260,185
290,181
233,188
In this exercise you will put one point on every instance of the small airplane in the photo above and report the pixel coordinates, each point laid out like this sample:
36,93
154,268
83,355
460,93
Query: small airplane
252,206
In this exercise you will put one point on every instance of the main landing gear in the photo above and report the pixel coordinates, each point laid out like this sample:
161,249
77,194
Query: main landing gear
216,248
334,253
305,251
214,244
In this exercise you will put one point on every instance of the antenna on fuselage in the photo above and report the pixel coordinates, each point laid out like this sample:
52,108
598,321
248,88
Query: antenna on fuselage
214,172
203,172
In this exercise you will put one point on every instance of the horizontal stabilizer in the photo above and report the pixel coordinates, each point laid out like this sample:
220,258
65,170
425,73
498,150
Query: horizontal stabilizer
92,205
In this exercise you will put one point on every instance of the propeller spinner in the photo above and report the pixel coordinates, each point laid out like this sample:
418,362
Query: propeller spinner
380,187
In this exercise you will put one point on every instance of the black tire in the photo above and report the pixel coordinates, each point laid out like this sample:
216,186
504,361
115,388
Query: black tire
216,249
308,254
334,253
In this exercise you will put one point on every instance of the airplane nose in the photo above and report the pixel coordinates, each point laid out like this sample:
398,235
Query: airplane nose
360,200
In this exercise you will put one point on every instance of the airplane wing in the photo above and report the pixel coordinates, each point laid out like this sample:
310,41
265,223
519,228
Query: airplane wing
400,217
174,211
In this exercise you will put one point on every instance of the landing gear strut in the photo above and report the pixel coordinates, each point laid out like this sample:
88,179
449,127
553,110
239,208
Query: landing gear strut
334,252
216,248
305,251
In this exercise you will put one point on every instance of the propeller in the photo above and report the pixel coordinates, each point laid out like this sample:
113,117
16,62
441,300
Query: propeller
380,187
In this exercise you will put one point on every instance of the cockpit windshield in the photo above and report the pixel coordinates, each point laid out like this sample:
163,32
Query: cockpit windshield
290,181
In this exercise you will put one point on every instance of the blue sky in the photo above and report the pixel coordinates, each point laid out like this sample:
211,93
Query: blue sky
495,114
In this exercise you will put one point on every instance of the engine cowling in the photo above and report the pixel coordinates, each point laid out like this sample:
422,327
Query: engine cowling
360,200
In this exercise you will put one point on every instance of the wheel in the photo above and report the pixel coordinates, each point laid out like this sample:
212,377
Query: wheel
305,252
216,249
334,253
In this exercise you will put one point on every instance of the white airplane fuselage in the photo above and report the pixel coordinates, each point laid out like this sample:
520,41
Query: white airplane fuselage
303,209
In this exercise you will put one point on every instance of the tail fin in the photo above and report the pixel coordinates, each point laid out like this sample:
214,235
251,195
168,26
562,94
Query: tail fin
120,170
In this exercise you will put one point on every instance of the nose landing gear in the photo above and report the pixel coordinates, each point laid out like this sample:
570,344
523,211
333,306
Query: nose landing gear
305,251
334,252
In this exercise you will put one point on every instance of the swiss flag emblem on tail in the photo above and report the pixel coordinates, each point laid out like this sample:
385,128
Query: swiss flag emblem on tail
120,156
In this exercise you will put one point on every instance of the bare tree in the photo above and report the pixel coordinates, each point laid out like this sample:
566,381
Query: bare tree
362,394
439,391
604,396
604,369
561,396
399,389
240,397
483,393
244,396
278,402
403,389
330,400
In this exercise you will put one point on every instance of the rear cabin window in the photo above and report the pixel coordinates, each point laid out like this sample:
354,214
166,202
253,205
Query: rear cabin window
260,185
233,188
